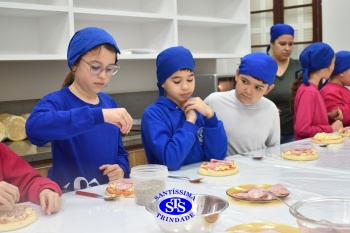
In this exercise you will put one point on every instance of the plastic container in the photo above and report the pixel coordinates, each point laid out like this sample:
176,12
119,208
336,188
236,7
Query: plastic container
149,180
323,214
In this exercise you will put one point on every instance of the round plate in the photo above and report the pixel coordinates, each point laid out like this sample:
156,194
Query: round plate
238,189
263,226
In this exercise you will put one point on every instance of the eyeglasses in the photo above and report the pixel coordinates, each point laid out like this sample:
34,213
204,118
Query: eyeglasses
97,69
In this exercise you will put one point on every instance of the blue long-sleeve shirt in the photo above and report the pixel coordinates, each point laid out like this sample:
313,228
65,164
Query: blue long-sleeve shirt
170,140
80,139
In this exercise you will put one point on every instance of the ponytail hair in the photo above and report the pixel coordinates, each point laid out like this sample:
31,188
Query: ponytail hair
296,84
69,79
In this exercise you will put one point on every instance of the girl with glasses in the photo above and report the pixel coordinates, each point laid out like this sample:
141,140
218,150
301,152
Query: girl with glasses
83,124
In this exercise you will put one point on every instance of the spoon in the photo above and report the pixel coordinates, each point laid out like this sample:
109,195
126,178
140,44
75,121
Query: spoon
253,156
297,212
198,180
95,195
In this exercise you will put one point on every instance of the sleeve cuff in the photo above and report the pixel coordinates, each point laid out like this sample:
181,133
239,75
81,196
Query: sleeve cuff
96,113
211,122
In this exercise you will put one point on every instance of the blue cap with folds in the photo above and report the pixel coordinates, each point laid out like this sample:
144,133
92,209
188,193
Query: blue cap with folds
278,30
171,60
314,57
259,65
342,62
86,39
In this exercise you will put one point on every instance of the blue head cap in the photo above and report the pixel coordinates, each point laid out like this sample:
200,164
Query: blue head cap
259,65
314,57
342,62
278,30
86,39
171,60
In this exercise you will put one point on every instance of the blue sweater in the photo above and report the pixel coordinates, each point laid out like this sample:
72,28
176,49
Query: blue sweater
172,141
80,139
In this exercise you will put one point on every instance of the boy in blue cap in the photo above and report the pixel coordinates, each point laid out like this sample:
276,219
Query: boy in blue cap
307,104
335,93
251,121
83,124
179,129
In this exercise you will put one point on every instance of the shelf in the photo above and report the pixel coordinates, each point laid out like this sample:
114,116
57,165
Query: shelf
41,29
131,6
34,35
234,10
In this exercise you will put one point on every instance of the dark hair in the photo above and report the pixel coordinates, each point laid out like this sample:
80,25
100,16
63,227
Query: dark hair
70,76
296,84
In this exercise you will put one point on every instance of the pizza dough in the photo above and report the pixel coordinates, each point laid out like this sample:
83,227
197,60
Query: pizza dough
122,187
345,132
327,138
19,217
300,154
218,168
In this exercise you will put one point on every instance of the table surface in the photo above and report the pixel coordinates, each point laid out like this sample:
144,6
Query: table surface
327,176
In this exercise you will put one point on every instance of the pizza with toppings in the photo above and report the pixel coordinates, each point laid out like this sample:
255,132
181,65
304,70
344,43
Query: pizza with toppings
218,168
345,132
20,216
122,187
327,138
300,154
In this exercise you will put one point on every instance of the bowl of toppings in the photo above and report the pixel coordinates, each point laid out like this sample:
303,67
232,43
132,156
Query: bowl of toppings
323,214
181,211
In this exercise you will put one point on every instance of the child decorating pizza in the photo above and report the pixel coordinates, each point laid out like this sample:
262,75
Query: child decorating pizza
251,121
83,124
179,129
307,104
335,93
19,182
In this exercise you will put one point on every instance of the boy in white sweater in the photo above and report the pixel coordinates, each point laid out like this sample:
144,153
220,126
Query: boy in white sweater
251,121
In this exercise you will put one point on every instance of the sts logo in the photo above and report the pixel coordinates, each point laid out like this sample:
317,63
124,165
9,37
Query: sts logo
175,205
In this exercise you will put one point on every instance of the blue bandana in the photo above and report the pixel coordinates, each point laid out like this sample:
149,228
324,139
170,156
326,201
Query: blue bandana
86,39
170,61
278,30
259,65
342,62
314,57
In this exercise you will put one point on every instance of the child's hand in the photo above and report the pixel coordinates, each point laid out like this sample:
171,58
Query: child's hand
191,116
198,105
9,194
119,117
337,125
336,114
50,201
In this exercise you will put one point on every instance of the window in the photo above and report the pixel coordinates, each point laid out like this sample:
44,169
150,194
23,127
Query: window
303,15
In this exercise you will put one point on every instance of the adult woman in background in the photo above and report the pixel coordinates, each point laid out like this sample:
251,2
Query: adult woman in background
282,43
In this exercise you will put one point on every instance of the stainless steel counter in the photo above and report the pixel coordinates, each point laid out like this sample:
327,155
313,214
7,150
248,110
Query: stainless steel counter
32,153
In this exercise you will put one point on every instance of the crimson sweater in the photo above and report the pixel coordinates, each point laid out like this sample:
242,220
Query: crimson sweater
335,96
16,171
310,113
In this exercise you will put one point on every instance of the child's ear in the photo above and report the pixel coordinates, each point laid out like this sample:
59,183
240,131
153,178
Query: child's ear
269,89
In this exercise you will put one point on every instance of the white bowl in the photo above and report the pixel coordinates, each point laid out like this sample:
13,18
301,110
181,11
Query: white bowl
206,210
323,214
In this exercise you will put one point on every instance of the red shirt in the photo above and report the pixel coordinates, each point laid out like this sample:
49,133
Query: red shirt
310,113
16,171
336,95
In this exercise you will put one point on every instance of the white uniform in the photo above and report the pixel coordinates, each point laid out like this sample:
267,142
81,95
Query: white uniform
248,127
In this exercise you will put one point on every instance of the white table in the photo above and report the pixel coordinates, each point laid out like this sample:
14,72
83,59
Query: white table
328,176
